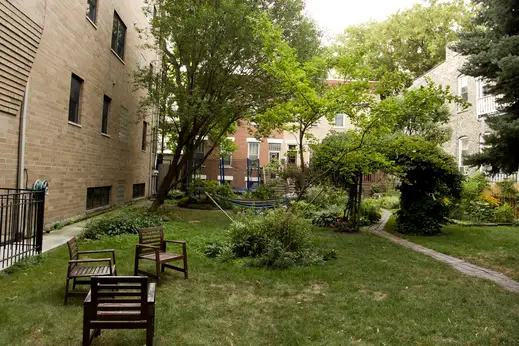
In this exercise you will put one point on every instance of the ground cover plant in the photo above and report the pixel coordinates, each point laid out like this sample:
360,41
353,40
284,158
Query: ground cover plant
375,293
490,247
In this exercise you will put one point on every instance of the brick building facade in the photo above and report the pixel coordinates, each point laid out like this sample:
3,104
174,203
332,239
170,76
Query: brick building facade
79,129
468,125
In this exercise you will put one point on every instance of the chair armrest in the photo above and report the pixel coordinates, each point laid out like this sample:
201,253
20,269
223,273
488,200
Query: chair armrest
175,241
151,293
109,260
99,251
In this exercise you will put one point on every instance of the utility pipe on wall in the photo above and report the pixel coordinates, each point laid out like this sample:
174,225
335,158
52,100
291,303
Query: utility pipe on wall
21,139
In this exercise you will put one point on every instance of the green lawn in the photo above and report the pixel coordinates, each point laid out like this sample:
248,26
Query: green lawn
375,293
492,247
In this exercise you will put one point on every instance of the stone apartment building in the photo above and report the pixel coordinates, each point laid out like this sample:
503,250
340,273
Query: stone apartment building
468,125
68,112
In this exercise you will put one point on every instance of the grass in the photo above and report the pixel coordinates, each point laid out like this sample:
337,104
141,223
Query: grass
495,247
375,293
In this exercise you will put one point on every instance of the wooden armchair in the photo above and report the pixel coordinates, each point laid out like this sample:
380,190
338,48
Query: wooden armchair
119,302
152,247
86,268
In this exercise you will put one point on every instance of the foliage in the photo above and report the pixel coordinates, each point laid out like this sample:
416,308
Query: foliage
24,264
504,213
412,40
127,222
369,212
430,181
388,202
326,218
265,192
278,240
507,189
209,76
175,194
491,47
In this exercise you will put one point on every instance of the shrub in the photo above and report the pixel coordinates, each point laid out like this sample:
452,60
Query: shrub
327,217
504,213
369,212
324,196
125,223
278,240
390,202
175,194
265,192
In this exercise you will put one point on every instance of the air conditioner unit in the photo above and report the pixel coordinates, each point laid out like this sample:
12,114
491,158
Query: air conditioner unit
464,170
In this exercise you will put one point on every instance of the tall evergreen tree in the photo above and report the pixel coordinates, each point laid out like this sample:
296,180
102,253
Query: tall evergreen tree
492,48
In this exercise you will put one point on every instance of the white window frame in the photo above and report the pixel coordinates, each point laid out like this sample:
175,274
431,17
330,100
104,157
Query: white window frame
461,140
343,121
249,149
463,81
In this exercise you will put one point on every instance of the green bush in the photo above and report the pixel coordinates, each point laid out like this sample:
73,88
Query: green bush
369,212
124,223
265,192
327,217
279,239
389,202
504,213
175,194
324,196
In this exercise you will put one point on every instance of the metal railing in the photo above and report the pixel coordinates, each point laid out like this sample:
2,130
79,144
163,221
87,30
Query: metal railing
21,224
486,105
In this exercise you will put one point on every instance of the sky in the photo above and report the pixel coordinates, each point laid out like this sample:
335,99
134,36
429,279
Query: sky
333,16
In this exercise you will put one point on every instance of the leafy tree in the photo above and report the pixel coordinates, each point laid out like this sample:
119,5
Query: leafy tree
307,95
413,40
430,184
211,75
492,48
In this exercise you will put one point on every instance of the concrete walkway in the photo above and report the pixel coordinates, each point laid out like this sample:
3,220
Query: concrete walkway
456,263
60,237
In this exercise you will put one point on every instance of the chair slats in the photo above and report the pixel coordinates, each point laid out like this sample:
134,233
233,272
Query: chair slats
119,303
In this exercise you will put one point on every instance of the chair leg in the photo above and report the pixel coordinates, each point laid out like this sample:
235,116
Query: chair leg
97,332
185,267
157,269
74,284
66,291
150,331
162,268
86,334
136,265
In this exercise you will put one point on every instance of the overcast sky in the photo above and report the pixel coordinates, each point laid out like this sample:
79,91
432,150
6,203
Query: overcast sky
335,15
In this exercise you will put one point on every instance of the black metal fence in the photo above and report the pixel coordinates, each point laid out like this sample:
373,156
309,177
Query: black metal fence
21,224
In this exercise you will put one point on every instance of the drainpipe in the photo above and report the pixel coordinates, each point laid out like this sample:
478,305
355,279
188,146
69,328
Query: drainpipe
21,139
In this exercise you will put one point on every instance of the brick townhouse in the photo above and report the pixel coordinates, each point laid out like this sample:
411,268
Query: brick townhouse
468,125
68,112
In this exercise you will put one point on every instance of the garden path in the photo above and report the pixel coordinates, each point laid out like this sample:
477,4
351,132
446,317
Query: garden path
456,263
60,237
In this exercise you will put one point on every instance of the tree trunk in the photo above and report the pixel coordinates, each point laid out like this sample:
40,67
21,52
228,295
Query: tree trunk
301,147
359,200
170,179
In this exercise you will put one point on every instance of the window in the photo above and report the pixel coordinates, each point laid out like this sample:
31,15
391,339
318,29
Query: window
463,146
118,36
144,134
139,190
292,154
75,96
98,197
463,89
106,110
227,160
92,10
253,155
339,120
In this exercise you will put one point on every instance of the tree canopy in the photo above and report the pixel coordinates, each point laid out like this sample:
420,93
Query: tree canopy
413,40
211,72
492,50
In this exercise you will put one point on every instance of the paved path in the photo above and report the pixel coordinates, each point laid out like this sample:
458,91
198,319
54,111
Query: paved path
60,237
456,263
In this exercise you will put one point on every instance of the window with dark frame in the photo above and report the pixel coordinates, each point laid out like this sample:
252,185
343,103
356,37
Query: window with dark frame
139,190
106,110
292,154
92,10
75,98
118,36
98,197
144,134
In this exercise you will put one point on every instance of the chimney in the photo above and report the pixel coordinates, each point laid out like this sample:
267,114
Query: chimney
449,52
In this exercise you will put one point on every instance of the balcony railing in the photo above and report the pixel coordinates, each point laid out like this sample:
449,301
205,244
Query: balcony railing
486,105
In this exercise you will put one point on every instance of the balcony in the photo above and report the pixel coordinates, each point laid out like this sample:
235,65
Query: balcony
486,105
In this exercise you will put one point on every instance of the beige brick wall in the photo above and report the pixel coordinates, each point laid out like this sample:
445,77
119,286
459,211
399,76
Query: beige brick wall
463,123
74,158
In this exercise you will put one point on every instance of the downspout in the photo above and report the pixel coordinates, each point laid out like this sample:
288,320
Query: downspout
21,139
